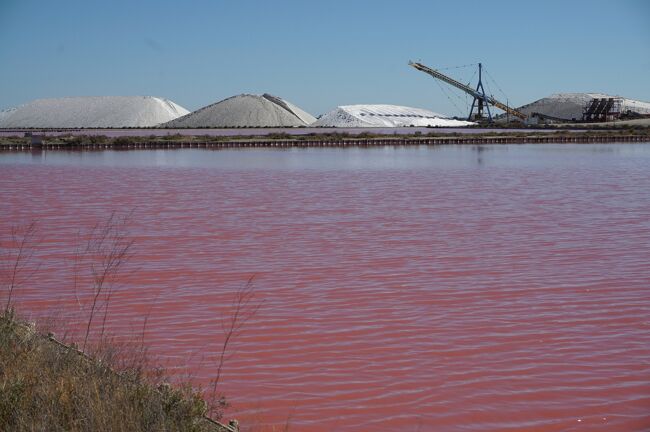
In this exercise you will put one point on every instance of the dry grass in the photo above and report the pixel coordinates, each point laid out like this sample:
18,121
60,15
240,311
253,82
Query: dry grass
109,385
45,385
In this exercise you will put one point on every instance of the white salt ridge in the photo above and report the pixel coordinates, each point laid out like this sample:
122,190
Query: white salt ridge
246,110
6,113
385,116
570,106
302,115
92,112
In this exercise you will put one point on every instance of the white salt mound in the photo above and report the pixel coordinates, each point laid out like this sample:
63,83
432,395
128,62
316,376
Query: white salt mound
246,110
385,116
570,106
92,112
6,113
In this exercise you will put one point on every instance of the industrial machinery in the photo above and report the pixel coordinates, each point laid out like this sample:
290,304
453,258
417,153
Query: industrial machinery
481,100
602,109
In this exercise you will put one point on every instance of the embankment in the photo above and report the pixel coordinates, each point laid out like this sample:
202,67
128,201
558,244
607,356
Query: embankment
282,140
48,385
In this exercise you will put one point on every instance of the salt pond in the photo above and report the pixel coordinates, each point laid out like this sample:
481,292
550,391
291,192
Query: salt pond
444,288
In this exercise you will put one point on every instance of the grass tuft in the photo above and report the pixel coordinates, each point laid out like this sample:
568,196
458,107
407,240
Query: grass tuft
46,385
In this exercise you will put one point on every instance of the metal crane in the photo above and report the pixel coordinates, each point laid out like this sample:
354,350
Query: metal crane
480,98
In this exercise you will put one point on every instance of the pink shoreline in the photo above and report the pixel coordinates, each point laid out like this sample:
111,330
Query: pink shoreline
254,131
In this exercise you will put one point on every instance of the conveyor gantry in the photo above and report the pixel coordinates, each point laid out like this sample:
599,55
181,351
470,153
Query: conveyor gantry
480,98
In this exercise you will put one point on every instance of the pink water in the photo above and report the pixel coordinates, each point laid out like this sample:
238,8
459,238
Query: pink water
450,288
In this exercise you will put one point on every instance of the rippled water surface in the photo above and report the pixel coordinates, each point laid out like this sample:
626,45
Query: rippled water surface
450,288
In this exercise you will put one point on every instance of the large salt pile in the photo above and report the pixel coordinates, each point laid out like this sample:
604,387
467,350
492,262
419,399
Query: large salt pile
6,113
569,106
385,116
92,112
246,110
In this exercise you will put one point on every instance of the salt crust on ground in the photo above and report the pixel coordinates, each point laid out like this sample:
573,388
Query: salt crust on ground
385,116
92,112
245,110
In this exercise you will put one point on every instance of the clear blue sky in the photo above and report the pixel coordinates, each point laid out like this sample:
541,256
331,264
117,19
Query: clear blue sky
320,54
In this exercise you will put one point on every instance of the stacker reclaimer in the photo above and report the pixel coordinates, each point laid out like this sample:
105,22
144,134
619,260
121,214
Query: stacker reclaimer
481,100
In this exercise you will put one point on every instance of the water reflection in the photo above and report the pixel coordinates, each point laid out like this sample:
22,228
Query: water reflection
349,158
479,154
37,154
